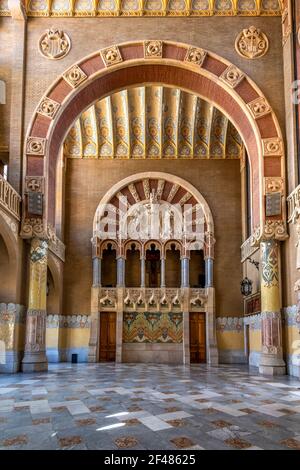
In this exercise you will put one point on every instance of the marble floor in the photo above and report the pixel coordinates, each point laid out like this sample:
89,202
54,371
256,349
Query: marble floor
139,406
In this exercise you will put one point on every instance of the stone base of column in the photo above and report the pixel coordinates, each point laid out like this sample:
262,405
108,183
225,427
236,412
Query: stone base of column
271,365
35,362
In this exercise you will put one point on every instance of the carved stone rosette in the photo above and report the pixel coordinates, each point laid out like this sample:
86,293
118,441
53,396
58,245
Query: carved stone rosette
48,107
252,43
259,107
35,146
153,49
74,76
232,76
111,56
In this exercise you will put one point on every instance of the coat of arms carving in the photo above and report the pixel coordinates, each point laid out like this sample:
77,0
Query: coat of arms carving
54,44
252,43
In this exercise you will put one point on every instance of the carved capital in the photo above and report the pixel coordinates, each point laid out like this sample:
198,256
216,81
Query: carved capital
74,76
111,56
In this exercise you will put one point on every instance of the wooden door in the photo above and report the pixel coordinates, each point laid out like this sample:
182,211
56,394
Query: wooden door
197,337
107,337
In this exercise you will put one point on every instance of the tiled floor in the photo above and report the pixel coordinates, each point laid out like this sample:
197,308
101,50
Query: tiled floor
139,406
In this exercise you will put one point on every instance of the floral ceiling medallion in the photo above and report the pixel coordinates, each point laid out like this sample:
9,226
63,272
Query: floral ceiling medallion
252,43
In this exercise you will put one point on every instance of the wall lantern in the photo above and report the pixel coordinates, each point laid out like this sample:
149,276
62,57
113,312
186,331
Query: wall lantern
246,287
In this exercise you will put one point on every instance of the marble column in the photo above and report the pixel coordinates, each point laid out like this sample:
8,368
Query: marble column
162,273
143,272
185,272
120,272
271,361
35,343
209,272
97,271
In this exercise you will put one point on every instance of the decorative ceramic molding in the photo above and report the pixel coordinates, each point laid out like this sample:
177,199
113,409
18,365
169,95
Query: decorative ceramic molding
274,184
232,76
195,55
272,147
111,56
35,146
230,324
259,107
252,43
153,49
54,44
34,184
48,108
74,76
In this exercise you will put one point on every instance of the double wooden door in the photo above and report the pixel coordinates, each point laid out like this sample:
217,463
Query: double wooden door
197,337
107,337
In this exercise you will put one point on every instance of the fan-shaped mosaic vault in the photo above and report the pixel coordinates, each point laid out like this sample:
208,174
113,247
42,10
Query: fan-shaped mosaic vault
153,122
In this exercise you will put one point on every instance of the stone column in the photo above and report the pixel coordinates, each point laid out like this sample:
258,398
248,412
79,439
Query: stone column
35,348
271,362
97,271
143,272
209,272
185,272
162,273
120,272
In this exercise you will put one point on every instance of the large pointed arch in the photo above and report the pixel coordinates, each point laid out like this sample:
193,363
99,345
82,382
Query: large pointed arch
172,64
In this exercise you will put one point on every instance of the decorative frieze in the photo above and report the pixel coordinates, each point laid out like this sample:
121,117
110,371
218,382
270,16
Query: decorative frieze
68,321
153,49
48,107
54,44
232,76
35,146
252,43
195,55
234,324
111,56
74,76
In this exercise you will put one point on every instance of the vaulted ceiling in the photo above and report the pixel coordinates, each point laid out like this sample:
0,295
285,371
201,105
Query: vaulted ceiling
147,7
153,122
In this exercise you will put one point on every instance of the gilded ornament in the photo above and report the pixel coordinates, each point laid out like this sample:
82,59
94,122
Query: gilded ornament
195,55
54,44
74,76
48,107
111,56
153,49
232,76
252,43
35,146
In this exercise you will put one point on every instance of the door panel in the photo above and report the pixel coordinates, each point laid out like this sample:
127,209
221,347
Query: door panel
197,338
107,337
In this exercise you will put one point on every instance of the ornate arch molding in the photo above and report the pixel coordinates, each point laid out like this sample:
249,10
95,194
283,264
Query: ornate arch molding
172,64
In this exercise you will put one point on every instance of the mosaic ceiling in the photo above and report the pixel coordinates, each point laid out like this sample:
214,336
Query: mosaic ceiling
153,122
148,7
